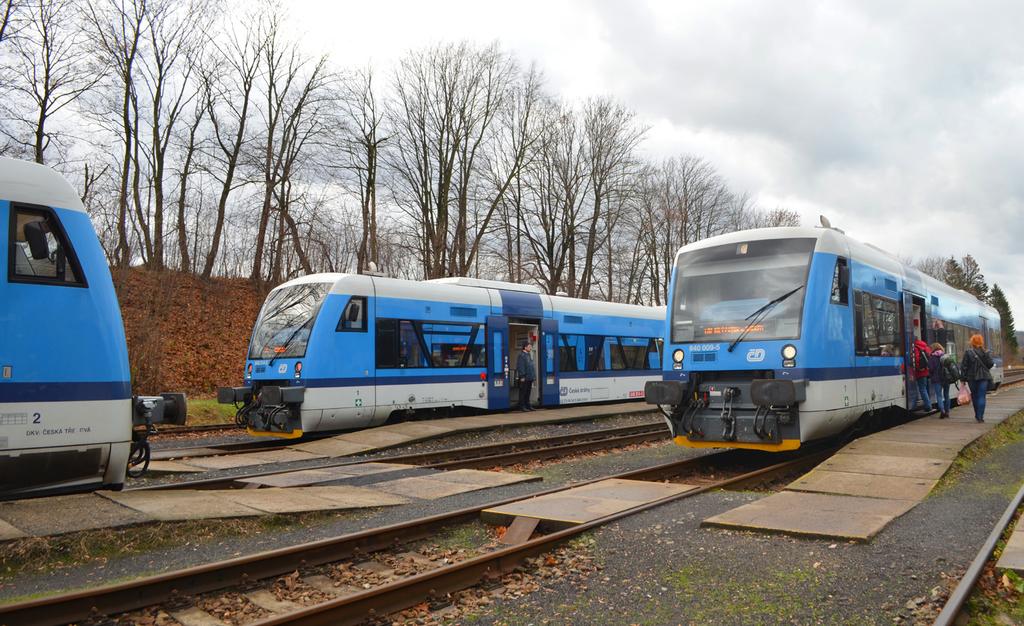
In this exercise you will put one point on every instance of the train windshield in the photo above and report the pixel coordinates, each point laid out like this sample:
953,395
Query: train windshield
719,290
286,321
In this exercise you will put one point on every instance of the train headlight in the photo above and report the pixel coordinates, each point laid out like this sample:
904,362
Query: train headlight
789,355
678,356
248,371
298,369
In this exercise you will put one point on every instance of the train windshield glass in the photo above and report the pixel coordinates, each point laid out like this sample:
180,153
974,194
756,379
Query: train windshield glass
718,288
286,321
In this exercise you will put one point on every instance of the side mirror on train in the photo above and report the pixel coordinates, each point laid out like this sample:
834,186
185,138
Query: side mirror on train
35,235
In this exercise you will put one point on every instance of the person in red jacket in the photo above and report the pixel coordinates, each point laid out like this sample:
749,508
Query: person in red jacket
919,366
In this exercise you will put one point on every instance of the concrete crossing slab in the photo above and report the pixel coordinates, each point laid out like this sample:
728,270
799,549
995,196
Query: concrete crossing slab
63,514
172,467
171,453
332,447
210,504
820,515
302,478
180,505
885,465
586,503
8,531
1013,553
866,485
419,430
908,450
377,438
444,484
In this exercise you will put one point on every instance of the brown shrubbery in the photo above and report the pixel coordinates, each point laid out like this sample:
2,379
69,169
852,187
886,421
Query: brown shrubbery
185,333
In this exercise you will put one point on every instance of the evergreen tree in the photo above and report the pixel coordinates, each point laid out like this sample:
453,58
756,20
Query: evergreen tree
998,301
954,274
973,278
966,274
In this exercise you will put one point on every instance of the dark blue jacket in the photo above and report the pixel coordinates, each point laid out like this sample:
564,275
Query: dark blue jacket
525,369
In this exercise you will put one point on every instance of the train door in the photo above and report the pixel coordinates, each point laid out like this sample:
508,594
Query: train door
497,363
518,334
914,323
549,362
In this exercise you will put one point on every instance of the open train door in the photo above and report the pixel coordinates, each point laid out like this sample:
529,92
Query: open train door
497,362
549,362
913,328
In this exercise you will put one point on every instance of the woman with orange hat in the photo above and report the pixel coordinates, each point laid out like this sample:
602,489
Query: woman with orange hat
974,370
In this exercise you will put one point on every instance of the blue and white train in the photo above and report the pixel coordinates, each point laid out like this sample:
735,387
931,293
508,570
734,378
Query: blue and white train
344,351
66,407
780,336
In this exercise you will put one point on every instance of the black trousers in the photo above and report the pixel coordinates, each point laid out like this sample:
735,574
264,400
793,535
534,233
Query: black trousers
524,393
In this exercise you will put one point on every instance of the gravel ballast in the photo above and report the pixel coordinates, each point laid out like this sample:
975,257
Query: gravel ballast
661,567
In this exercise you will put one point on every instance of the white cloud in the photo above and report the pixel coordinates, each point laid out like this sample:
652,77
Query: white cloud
901,121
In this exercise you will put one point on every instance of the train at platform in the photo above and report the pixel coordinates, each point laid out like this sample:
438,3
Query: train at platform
781,336
348,351
68,419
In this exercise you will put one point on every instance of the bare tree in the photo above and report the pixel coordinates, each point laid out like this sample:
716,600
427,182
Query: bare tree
558,185
8,18
228,86
443,117
176,36
361,145
118,32
612,137
51,73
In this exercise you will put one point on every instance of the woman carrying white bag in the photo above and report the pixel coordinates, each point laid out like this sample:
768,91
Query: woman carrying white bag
974,370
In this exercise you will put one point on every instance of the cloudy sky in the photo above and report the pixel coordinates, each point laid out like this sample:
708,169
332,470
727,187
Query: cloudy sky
902,122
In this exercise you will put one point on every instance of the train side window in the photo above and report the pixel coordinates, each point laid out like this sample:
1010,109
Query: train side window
841,282
877,325
567,355
387,343
39,249
353,317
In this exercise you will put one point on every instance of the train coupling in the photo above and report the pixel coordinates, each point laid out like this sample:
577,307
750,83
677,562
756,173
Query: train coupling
270,409
147,411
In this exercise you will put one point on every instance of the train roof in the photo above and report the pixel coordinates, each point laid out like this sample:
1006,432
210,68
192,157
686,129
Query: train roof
467,291
837,242
25,181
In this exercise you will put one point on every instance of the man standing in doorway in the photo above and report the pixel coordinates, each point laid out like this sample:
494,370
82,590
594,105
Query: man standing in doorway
526,373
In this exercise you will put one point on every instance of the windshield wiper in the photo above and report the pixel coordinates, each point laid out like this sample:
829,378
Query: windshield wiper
284,346
758,314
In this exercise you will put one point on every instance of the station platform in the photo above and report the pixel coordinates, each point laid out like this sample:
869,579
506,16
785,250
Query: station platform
583,504
381,437
873,480
111,509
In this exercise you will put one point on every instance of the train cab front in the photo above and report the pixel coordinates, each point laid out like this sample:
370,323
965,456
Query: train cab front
270,402
731,377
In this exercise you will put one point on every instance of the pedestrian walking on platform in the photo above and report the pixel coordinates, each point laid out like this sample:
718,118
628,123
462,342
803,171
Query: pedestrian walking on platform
974,370
944,373
526,373
922,375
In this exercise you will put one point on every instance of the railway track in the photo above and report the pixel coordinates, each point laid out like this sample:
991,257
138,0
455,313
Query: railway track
969,581
181,590
488,455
